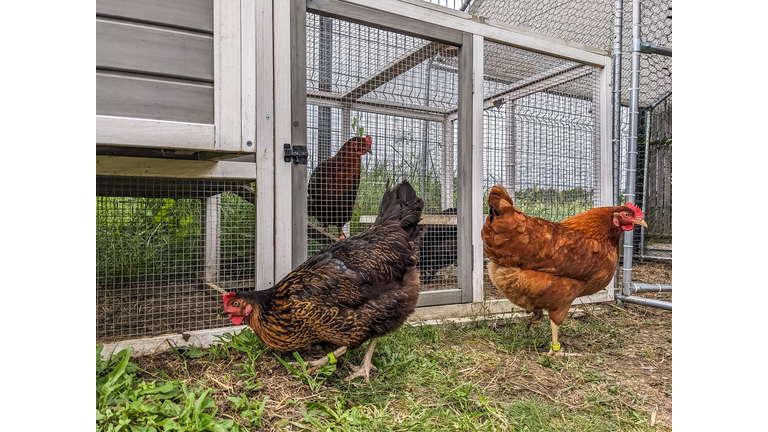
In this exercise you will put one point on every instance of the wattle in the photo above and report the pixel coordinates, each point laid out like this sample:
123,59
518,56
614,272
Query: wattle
236,319
629,227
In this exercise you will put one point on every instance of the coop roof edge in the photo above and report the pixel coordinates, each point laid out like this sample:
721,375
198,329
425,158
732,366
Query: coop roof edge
490,29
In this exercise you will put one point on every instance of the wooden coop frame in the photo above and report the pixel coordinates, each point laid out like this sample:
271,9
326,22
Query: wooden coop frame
255,58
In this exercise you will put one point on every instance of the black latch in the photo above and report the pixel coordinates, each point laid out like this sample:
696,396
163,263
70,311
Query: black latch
298,153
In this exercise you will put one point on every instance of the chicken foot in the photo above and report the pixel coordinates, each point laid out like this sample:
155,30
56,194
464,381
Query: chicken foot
555,344
315,365
366,366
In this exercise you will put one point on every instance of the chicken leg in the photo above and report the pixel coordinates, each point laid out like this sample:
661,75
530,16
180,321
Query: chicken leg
555,350
315,365
365,367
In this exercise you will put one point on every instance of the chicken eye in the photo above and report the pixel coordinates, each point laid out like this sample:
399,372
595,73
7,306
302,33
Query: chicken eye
235,303
626,214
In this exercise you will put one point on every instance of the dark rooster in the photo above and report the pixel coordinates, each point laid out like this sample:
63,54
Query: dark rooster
438,249
333,185
353,290
542,265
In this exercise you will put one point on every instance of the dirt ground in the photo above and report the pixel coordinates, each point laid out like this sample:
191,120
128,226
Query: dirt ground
627,363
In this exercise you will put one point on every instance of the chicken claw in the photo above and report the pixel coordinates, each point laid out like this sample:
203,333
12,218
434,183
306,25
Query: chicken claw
365,367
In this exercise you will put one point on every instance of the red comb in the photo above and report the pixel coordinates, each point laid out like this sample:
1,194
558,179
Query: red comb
368,139
227,297
636,209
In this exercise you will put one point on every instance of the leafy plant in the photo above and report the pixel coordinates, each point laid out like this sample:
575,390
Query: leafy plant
314,382
251,411
126,403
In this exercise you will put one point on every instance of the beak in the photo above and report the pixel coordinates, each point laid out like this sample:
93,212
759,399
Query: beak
641,223
368,150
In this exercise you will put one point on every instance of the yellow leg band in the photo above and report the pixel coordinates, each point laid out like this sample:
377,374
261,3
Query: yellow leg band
332,358
555,347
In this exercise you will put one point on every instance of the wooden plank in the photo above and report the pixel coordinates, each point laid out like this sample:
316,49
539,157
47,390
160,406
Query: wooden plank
395,68
151,167
282,129
259,45
124,131
190,14
227,75
436,220
142,48
464,167
123,95
446,185
605,130
476,184
379,107
536,83
299,129
163,187
211,235
439,297
427,15
385,19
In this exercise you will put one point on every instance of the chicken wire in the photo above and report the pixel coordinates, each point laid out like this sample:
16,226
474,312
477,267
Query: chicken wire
399,90
541,138
159,243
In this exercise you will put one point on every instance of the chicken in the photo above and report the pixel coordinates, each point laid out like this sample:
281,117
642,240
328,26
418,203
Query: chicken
541,265
438,249
333,185
356,289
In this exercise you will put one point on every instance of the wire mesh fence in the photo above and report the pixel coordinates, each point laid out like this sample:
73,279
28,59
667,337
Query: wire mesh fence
377,112
541,133
160,243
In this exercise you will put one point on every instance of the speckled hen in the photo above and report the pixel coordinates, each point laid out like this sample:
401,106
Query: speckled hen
357,289
542,265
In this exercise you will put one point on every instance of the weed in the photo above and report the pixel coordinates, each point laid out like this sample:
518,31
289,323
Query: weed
314,382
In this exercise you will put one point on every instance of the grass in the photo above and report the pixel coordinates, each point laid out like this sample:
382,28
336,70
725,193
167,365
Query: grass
484,376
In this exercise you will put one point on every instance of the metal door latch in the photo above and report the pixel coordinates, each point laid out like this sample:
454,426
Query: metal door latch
298,153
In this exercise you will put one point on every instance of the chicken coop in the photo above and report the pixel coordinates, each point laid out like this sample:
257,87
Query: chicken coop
216,118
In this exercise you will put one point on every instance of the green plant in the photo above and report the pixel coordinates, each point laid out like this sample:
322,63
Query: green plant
314,382
126,403
251,411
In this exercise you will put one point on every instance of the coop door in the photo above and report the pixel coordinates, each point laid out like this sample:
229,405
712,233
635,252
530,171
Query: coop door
541,124
378,111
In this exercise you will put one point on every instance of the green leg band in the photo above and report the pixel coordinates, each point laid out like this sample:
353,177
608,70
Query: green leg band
555,347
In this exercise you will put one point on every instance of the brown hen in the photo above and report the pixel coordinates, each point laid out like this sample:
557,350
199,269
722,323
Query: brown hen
357,289
333,186
542,265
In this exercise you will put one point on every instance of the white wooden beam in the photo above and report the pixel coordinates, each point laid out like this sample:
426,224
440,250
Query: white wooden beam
211,238
489,29
136,132
536,83
478,291
380,107
261,47
177,168
282,134
446,193
605,107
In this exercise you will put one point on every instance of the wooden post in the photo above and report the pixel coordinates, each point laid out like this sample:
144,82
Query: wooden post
511,149
447,182
282,189
298,129
210,225
470,167
257,44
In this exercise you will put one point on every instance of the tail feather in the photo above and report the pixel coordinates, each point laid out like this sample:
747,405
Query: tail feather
497,195
401,203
